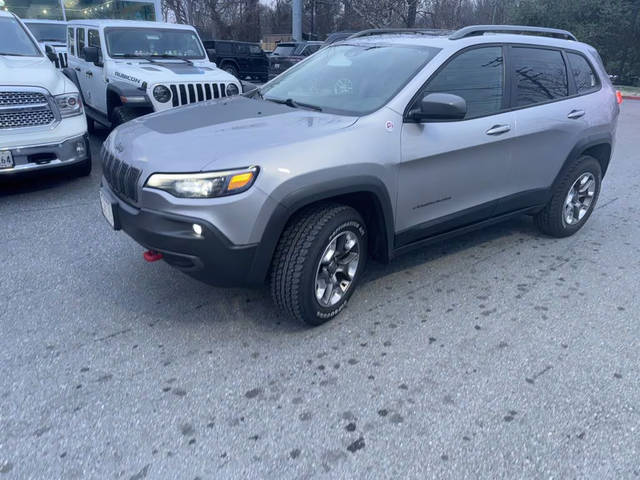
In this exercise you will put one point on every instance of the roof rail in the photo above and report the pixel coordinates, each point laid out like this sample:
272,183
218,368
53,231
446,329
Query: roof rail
388,31
517,29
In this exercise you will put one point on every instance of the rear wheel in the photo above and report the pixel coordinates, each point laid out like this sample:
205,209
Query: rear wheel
318,262
572,200
121,115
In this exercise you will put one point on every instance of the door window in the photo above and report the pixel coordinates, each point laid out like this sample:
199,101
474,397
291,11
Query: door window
477,76
80,36
71,40
93,40
583,74
539,75
255,49
310,49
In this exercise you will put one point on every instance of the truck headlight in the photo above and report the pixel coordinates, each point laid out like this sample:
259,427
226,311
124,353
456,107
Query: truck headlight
232,90
69,104
162,93
204,185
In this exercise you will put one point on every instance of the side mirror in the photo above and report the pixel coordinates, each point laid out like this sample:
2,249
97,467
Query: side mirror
91,55
51,54
440,106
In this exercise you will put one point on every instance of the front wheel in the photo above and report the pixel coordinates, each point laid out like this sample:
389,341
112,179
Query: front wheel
573,199
318,262
122,115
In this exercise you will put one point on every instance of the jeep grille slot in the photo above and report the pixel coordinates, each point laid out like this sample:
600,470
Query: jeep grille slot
184,94
61,60
122,178
24,109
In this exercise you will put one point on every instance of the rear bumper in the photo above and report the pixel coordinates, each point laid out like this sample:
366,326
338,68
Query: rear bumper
47,156
210,257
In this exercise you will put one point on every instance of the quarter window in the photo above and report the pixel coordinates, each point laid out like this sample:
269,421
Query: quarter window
80,35
539,75
583,74
477,76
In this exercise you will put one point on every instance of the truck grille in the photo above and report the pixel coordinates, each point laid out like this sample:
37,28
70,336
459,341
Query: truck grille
185,93
61,60
122,178
24,109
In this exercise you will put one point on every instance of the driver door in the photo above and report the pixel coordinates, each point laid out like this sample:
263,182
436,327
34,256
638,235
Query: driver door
94,74
452,173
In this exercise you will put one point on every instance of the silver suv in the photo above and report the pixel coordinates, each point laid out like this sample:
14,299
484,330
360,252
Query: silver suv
373,146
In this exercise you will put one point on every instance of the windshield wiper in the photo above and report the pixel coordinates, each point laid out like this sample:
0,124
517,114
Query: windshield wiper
16,54
177,57
151,58
290,102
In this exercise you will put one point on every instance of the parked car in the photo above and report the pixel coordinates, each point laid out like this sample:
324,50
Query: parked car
241,59
372,147
42,124
125,69
288,54
52,37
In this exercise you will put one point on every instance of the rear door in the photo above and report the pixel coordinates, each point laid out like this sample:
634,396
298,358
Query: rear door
550,120
452,173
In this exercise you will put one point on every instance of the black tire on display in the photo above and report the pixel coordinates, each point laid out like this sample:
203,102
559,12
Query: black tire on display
121,115
573,199
318,262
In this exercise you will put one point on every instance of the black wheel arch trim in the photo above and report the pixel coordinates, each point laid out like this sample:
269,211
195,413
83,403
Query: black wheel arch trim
583,146
300,198
121,89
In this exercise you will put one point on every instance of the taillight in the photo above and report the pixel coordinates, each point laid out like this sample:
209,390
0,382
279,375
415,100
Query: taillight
619,96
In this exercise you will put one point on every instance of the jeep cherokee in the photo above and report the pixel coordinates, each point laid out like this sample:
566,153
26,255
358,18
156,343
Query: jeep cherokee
373,146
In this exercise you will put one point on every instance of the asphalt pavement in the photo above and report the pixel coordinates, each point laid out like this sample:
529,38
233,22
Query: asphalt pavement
501,354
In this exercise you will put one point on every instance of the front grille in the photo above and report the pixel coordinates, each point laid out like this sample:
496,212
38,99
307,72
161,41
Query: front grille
122,178
61,60
20,109
185,93
9,99
26,119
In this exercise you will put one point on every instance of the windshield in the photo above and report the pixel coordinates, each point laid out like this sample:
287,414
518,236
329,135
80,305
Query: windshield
284,50
350,79
14,40
152,42
48,32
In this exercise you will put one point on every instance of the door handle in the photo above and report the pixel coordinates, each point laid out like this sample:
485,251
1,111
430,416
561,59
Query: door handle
89,73
498,130
575,114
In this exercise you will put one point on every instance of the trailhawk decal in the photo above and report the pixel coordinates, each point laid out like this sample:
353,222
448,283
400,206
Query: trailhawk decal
128,77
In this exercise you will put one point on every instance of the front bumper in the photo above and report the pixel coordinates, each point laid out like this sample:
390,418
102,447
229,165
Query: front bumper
47,156
210,257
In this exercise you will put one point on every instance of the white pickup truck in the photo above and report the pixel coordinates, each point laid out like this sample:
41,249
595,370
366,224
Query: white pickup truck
42,122
125,69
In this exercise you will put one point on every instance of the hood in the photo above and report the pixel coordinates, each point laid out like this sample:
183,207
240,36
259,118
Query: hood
220,134
34,72
137,72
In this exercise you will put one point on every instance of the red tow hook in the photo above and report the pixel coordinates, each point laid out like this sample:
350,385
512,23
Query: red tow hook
152,256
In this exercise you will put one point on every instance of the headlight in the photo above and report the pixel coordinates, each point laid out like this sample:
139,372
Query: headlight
204,185
232,90
162,94
69,104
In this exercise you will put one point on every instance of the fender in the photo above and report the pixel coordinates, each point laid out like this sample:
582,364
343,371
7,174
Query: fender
335,189
72,75
129,95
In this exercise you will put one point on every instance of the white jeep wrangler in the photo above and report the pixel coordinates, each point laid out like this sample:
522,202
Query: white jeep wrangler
42,123
52,37
125,69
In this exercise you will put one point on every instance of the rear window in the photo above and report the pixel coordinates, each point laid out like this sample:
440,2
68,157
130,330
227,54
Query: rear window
284,50
224,48
539,75
583,74
255,49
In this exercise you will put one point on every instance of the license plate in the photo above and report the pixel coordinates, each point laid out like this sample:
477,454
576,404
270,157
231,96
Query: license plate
107,210
6,159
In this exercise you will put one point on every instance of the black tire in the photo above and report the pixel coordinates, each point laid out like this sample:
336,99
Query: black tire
91,125
231,69
297,260
121,115
551,219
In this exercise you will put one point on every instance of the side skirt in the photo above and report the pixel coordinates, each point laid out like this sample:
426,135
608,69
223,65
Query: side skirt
462,230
